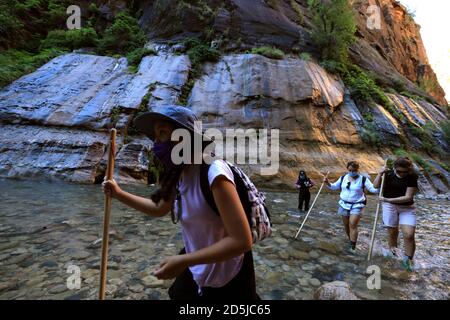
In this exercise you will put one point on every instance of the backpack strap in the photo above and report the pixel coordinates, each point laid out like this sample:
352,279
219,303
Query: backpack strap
342,180
207,192
206,189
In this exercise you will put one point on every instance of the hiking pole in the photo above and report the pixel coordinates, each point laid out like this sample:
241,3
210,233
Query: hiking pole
309,211
372,239
105,239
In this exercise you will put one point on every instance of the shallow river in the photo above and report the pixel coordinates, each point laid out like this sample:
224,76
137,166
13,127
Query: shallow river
50,231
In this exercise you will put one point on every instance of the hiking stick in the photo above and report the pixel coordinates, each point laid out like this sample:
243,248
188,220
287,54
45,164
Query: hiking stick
312,206
105,239
372,239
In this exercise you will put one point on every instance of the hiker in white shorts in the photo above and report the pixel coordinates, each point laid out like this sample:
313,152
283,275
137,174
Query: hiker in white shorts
352,199
400,186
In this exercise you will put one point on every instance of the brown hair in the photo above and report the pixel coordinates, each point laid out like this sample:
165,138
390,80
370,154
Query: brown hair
403,162
354,164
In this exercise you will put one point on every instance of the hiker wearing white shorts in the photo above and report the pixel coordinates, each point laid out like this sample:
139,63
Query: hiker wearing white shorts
400,186
352,199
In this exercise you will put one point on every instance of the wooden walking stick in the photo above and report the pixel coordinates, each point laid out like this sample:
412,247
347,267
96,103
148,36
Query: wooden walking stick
372,240
312,206
105,239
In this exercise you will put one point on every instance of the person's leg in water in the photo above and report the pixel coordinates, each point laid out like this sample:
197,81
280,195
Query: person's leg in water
353,224
393,239
301,199
307,198
408,233
346,222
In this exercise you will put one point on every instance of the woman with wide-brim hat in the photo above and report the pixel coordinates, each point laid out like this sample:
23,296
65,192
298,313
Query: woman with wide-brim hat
216,262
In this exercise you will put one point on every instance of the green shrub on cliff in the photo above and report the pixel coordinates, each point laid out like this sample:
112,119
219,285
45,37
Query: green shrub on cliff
418,159
269,52
334,28
370,135
123,36
70,39
362,86
298,11
445,125
135,57
15,63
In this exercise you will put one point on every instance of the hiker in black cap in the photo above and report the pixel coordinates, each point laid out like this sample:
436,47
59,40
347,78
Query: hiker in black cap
216,262
303,185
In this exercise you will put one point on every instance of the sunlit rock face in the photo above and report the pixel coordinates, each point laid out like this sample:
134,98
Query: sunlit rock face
388,44
55,123
55,120
80,90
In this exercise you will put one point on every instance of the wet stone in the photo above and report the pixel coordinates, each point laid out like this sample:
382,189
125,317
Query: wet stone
79,295
137,288
58,289
314,282
276,295
152,282
51,264
19,258
8,245
19,251
314,254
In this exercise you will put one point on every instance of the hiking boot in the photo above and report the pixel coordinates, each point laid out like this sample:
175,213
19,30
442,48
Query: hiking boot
407,264
351,250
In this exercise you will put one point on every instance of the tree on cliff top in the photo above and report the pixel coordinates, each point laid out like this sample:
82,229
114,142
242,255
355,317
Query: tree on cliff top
335,28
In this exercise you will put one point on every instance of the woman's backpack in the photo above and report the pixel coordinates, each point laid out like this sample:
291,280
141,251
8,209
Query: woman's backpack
252,200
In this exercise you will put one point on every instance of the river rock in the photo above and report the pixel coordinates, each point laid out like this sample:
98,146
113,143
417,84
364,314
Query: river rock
19,251
58,289
8,245
300,255
337,290
80,255
137,288
329,247
20,258
130,247
152,282
314,282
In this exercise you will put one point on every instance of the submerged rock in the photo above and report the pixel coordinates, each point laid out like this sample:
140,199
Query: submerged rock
337,290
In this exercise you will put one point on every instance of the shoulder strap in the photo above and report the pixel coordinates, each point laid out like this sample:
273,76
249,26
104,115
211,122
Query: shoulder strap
342,180
364,183
207,192
206,189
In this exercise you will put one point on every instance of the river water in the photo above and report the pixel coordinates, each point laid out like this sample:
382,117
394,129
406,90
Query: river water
50,231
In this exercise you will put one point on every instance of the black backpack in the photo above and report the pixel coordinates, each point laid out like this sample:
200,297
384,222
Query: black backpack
252,201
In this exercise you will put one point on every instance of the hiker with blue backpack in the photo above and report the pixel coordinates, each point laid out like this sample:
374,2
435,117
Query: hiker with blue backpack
352,199
221,215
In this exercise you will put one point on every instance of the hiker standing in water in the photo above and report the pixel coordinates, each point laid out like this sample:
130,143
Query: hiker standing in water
400,186
352,199
217,261
303,185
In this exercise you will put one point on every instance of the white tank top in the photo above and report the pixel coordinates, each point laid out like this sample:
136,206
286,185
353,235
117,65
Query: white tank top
202,227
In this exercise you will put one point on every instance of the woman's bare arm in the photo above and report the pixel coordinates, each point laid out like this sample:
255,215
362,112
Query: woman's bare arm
237,241
141,204
408,197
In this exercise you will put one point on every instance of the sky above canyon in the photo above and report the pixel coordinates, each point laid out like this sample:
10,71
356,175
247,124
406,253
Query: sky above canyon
434,18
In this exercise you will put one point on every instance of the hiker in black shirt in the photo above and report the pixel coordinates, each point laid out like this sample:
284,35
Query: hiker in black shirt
303,184
400,186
